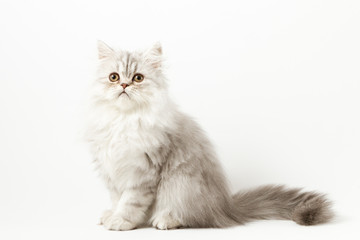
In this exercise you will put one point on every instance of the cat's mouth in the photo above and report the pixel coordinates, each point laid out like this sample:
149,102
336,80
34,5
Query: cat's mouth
124,93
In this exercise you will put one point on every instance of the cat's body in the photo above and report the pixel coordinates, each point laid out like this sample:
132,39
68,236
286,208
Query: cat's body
159,166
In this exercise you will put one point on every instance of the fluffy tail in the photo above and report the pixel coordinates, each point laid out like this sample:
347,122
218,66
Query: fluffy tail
277,202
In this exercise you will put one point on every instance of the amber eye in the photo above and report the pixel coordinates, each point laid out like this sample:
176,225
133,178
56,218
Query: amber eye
138,77
113,77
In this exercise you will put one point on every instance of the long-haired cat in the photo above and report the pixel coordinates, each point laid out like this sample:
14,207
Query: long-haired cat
160,167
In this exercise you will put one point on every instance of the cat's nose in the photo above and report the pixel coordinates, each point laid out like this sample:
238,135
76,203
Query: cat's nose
124,85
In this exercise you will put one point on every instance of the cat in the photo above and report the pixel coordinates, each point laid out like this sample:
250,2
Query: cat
159,166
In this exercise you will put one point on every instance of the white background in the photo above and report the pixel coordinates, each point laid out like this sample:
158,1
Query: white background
274,83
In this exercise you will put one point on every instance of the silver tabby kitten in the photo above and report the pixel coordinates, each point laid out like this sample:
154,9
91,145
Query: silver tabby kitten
159,166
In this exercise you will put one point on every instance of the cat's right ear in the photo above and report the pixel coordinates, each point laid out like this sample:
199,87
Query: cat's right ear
104,50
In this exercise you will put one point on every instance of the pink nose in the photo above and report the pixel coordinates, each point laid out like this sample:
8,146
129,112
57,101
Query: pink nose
124,85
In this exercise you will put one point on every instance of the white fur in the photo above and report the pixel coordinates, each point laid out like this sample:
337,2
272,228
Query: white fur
159,166
122,129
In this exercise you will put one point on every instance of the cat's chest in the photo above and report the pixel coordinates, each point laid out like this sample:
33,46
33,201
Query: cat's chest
122,146
124,137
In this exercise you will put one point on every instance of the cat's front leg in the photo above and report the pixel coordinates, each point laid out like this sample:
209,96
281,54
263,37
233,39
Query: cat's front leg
115,197
131,209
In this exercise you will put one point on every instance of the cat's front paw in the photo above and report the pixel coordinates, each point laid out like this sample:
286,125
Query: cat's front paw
165,223
117,223
106,214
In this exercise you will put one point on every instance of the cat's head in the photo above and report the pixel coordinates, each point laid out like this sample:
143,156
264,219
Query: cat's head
130,80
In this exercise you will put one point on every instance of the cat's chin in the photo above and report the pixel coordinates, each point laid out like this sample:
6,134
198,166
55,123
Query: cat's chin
125,105
124,99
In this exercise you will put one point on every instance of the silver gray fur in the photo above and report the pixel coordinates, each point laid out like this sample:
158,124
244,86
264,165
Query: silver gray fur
160,167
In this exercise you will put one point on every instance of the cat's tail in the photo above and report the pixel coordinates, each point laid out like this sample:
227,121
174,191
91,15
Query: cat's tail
278,202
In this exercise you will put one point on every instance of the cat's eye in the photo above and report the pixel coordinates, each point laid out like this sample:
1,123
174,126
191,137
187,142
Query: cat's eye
138,77
113,77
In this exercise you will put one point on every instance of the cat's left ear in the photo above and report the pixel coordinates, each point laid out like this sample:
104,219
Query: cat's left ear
104,50
154,55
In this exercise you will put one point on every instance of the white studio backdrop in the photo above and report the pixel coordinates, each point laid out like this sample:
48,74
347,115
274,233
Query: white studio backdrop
275,84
